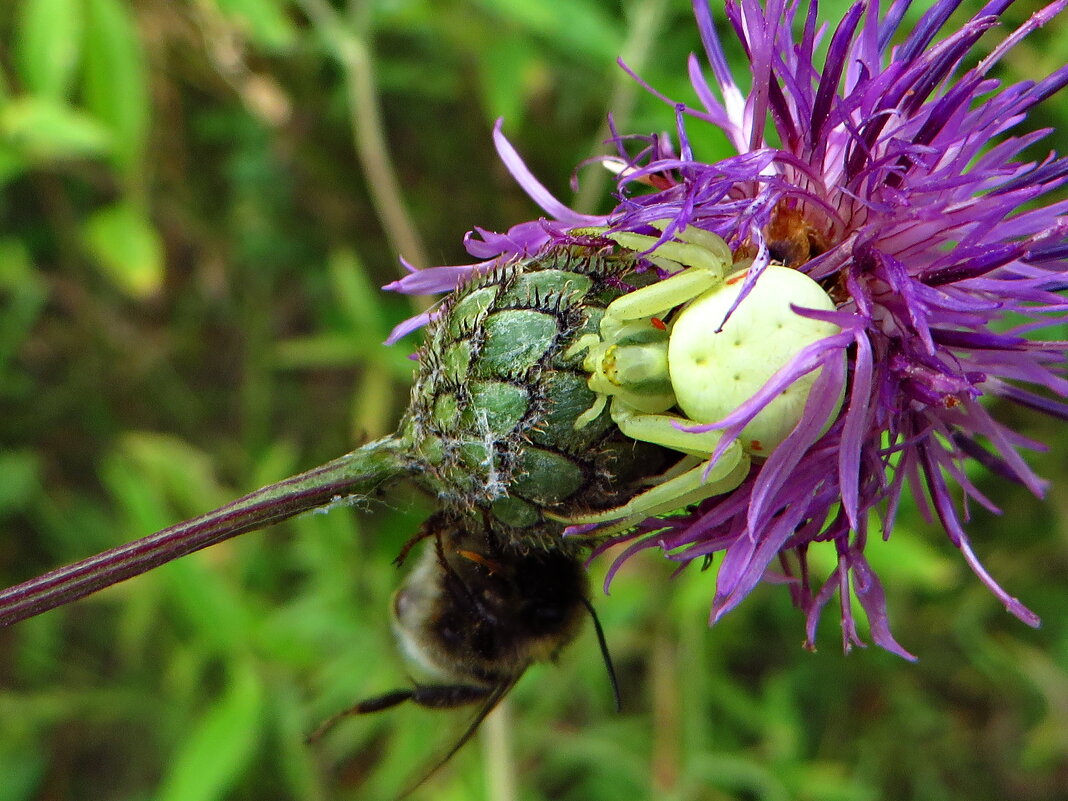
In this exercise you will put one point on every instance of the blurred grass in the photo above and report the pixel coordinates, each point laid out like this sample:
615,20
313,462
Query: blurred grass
188,256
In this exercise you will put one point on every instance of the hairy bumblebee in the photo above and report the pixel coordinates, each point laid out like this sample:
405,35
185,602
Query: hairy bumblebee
474,614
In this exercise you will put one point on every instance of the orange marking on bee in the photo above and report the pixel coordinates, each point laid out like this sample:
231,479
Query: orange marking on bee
658,324
489,564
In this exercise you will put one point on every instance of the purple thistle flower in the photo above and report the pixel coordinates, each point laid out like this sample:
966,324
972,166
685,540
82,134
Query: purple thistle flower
872,172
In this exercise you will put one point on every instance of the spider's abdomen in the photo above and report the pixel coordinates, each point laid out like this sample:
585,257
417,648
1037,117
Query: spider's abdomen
716,366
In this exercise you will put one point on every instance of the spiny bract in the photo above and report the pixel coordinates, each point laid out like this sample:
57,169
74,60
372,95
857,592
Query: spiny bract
491,424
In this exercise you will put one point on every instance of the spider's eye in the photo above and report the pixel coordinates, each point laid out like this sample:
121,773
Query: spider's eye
634,366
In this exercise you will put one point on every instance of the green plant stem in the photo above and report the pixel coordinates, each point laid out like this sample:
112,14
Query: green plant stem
368,131
665,767
645,29
498,754
348,479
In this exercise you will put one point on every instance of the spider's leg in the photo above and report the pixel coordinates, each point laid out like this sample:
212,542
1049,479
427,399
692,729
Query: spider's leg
691,487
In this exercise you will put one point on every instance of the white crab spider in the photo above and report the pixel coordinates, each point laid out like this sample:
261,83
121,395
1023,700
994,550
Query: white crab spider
699,366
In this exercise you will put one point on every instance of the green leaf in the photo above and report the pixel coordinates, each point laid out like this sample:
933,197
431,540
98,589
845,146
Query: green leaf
207,601
185,473
12,163
358,298
509,69
16,268
221,747
116,82
20,471
263,20
42,129
48,40
126,247
24,769
583,28
363,329
22,297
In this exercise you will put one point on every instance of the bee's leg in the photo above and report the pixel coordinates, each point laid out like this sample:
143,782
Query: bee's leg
431,696
448,696
365,707
422,534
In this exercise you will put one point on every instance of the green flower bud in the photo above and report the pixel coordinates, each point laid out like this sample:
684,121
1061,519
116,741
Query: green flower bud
491,421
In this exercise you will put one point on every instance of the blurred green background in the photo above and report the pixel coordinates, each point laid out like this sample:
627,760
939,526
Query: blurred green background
197,206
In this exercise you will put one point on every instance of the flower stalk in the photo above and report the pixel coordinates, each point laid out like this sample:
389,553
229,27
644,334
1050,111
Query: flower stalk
350,479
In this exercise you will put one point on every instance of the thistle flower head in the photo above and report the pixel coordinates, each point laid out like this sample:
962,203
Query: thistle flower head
872,170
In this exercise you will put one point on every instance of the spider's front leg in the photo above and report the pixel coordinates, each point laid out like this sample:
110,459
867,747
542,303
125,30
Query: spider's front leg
707,263
675,489
628,358
664,429
628,363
